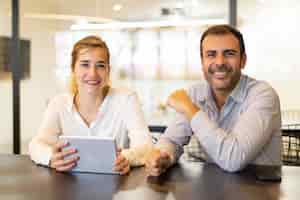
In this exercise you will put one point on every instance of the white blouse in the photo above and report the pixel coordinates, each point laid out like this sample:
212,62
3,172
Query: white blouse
119,117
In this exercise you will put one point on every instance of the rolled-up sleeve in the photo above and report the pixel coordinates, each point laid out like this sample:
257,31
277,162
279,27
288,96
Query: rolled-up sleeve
233,150
135,122
176,135
138,133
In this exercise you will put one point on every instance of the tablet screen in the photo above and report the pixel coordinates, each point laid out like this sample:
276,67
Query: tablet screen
97,155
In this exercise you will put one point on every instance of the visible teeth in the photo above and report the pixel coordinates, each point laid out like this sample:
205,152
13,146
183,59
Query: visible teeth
93,82
220,74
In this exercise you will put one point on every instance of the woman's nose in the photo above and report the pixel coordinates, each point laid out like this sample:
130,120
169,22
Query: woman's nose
92,71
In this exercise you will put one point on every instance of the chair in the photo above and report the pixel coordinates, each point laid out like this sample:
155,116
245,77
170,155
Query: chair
156,132
158,129
291,144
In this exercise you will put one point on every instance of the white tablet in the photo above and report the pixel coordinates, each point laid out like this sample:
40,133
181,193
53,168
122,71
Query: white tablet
97,155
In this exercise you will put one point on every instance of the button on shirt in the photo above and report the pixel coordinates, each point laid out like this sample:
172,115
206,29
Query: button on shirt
119,117
246,130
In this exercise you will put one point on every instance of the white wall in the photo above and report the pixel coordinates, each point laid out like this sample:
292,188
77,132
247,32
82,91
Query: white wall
5,87
42,82
271,33
278,64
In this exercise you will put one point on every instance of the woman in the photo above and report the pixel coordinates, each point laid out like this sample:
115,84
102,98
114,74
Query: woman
93,108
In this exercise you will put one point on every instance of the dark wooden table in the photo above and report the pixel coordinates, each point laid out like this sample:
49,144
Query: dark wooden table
21,179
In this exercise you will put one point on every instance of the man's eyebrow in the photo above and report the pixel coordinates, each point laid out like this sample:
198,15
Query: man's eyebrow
230,50
210,51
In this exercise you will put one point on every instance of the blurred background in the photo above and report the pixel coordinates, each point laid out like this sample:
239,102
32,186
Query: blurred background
154,47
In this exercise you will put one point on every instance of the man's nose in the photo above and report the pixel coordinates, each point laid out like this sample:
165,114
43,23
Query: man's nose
220,60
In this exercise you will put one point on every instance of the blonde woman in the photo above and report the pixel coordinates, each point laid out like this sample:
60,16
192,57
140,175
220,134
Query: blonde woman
91,108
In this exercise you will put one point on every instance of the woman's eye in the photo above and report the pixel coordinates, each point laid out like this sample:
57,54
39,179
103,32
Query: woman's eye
84,64
100,65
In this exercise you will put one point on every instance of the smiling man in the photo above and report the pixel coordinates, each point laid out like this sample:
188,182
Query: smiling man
235,118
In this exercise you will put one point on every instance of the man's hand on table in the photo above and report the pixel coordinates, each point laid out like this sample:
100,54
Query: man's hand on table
157,162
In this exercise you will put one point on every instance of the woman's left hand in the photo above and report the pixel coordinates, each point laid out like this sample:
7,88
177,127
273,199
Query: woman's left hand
121,164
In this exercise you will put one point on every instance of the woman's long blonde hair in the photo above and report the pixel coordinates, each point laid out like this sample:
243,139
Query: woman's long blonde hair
87,43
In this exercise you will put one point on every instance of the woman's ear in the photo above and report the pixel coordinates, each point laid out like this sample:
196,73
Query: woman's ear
108,75
73,84
108,68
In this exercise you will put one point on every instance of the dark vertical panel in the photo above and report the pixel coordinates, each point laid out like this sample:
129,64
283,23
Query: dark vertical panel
233,13
16,75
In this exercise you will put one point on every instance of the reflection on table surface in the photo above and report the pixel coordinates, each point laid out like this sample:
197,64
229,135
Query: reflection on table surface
22,179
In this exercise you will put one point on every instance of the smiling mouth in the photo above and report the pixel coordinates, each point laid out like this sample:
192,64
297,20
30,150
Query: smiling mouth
220,71
93,82
220,75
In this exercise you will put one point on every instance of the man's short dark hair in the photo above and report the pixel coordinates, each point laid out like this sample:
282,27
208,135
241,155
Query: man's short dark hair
223,30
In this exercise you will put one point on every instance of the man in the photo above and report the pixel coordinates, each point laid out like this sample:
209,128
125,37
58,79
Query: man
235,118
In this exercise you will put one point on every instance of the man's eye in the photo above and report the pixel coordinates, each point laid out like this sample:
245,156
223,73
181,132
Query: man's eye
229,53
210,55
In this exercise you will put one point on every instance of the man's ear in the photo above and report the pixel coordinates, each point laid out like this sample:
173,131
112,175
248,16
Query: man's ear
243,61
201,56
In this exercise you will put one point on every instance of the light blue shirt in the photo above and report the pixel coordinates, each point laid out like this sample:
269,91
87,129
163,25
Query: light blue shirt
246,130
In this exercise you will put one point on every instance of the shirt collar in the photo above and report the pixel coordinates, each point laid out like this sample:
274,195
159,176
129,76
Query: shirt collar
203,96
70,101
238,94
206,96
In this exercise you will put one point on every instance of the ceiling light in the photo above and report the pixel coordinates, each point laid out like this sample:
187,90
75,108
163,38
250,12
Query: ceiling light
82,21
147,24
179,5
117,7
77,18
